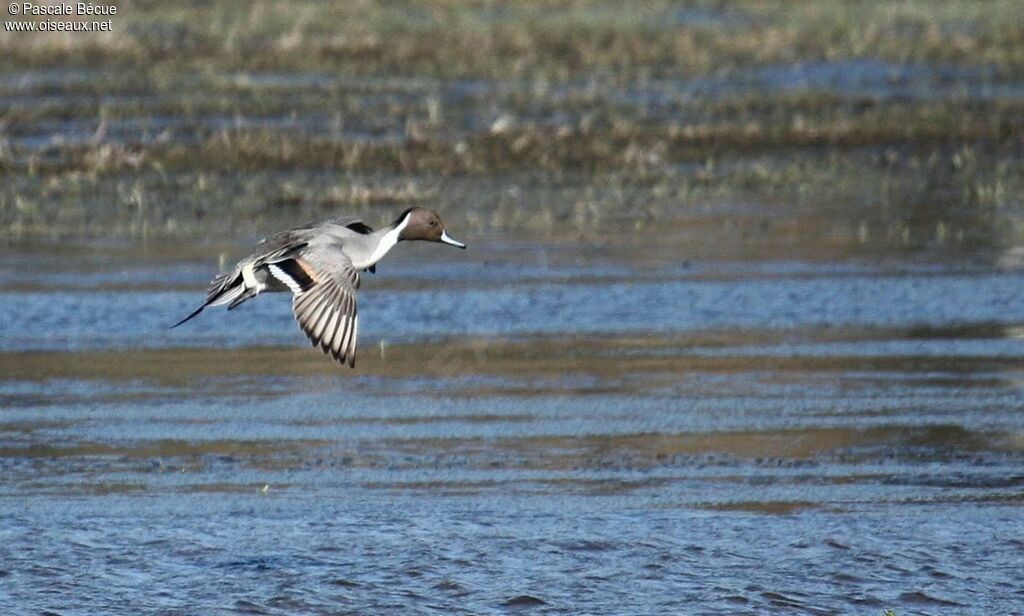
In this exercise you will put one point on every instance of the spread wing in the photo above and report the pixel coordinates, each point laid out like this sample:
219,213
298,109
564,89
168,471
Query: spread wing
324,284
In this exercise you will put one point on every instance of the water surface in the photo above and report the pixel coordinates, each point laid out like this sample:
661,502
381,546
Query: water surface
549,433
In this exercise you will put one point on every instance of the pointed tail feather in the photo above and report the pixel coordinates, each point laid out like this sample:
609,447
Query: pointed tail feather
220,293
191,316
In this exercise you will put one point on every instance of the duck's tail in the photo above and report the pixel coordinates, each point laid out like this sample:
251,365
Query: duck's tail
224,289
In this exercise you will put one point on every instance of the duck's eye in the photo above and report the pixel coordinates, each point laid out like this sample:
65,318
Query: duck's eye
433,223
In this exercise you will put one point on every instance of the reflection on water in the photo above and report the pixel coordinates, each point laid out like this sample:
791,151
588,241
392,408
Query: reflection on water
748,437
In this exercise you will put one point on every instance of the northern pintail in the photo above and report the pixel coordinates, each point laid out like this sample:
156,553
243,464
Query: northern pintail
320,264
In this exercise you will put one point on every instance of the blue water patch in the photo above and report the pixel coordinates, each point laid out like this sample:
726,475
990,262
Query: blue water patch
63,319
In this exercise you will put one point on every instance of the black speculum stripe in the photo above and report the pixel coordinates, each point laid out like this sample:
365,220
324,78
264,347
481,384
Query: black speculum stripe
295,271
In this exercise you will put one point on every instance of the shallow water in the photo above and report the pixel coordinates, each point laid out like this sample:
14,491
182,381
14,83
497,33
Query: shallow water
574,433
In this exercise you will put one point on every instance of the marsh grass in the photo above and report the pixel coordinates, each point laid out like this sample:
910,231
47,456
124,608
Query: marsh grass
194,116
494,40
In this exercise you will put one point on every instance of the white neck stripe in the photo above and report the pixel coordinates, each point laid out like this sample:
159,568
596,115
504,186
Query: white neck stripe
387,242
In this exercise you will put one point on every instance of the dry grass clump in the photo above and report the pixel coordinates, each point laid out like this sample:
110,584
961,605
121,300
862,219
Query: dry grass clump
574,113
561,40
598,142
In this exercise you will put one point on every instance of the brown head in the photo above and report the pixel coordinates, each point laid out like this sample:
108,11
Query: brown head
420,223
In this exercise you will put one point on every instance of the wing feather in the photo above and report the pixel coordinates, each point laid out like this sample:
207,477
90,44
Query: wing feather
326,311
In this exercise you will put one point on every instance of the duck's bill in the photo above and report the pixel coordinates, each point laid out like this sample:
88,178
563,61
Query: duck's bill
447,239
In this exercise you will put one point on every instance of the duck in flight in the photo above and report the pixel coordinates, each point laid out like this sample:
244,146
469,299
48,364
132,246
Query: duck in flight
320,264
